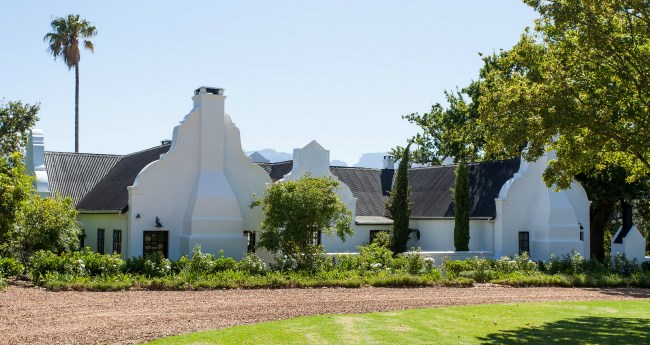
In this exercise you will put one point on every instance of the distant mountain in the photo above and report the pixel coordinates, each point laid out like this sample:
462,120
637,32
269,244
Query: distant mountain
372,160
274,156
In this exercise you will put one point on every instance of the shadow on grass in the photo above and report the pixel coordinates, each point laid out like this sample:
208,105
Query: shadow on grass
582,330
627,292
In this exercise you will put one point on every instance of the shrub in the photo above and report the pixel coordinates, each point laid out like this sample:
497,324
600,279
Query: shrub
373,254
347,262
645,266
43,262
482,271
382,238
452,268
520,263
224,264
10,267
91,263
620,264
414,261
569,263
202,263
155,265
252,264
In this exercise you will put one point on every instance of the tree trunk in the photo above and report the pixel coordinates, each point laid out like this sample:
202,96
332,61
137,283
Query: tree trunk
601,214
76,108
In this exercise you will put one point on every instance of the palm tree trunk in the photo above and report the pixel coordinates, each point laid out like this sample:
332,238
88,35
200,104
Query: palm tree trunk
76,108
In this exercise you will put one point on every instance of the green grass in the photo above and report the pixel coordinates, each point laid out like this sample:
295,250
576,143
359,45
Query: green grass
601,322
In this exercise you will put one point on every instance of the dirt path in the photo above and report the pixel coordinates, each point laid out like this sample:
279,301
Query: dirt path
35,316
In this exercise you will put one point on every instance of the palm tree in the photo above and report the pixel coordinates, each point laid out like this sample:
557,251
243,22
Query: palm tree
63,41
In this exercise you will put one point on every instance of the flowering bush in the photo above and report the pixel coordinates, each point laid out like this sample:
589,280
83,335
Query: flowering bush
252,264
155,265
570,263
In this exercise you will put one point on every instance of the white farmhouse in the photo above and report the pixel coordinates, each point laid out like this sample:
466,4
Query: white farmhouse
197,188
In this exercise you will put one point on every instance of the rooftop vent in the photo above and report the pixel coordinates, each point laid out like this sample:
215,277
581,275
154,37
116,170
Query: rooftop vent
206,89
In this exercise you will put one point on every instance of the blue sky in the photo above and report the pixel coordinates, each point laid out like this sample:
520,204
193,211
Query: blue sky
341,72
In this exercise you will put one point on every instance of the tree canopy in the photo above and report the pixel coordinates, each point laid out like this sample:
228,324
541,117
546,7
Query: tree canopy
578,83
16,119
296,212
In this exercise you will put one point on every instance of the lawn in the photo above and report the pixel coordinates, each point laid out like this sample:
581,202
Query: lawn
599,322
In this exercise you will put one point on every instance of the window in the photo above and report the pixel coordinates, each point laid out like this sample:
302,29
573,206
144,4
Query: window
155,242
373,234
117,241
582,232
524,242
82,239
100,241
250,241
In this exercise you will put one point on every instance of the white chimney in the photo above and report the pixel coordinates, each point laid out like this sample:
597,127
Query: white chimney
389,162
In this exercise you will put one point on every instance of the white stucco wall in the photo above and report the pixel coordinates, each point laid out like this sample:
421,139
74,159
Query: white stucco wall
551,218
201,189
361,237
35,161
633,245
437,234
90,222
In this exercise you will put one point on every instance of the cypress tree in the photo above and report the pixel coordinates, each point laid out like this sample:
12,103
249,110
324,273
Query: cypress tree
461,208
399,207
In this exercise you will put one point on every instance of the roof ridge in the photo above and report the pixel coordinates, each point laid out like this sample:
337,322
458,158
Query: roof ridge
360,168
145,150
84,153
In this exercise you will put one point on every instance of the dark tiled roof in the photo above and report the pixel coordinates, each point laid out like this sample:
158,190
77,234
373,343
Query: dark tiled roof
75,174
371,187
432,195
110,194
277,170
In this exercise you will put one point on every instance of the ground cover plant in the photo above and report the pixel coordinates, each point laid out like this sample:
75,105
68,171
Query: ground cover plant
373,265
596,322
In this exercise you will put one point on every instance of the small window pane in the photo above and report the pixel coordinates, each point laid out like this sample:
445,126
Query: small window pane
100,241
117,241
524,242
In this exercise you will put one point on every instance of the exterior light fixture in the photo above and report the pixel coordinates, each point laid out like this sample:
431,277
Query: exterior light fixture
158,225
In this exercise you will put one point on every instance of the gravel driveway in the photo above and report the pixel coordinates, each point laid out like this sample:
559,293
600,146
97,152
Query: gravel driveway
31,315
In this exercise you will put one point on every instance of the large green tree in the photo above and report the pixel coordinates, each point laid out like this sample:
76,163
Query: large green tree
455,131
297,212
16,119
15,188
46,224
461,207
63,42
399,205
579,83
